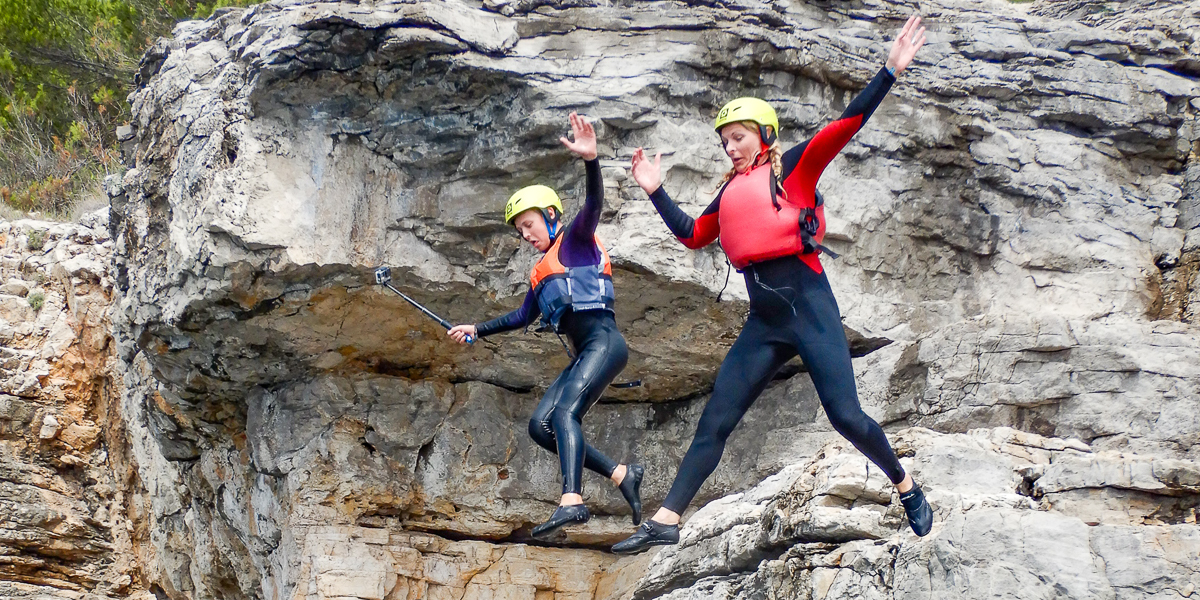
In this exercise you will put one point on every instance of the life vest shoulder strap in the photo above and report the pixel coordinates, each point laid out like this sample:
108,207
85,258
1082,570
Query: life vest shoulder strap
605,263
550,264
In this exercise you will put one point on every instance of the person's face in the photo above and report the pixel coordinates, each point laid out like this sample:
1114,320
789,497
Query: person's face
532,228
742,144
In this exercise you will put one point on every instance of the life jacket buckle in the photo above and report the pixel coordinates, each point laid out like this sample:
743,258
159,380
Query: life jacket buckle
809,226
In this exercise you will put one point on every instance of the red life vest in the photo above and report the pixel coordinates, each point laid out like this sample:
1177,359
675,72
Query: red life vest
558,287
753,230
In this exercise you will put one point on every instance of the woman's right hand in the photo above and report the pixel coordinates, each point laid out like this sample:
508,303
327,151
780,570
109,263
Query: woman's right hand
585,138
647,174
460,332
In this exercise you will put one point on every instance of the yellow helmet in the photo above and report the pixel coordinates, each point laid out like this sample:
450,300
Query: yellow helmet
750,109
534,196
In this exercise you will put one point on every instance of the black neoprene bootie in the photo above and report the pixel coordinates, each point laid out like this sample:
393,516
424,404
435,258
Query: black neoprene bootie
920,515
649,534
563,515
631,488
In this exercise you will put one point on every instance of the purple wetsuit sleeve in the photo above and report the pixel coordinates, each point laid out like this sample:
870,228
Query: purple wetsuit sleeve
579,245
522,317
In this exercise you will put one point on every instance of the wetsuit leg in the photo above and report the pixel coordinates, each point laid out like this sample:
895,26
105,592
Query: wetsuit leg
821,343
602,355
833,375
747,369
541,428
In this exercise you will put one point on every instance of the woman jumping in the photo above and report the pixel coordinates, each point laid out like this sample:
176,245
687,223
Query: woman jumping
571,287
771,221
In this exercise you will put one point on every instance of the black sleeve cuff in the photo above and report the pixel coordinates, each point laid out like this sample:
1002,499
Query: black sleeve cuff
680,224
491,327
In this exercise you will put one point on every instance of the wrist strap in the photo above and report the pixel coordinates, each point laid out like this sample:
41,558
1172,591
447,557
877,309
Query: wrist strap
891,70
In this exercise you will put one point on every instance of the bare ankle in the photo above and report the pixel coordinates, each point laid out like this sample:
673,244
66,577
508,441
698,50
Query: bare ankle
618,474
665,517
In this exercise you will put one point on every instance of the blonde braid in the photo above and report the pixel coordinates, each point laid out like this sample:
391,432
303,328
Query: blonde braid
776,151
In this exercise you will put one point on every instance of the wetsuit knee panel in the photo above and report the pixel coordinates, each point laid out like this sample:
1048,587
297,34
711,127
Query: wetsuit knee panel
714,433
563,415
850,423
541,431
573,390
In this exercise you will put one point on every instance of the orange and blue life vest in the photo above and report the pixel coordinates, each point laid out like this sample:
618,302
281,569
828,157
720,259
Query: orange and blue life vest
559,287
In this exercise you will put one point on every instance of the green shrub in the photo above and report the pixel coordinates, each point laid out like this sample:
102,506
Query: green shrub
204,10
66,67
37,239
36,300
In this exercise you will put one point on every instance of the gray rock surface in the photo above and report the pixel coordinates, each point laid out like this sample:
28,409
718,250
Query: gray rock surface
1009,523
1019,219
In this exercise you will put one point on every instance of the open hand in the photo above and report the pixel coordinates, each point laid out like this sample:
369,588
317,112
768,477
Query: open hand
647,174
460,332
911,38
585,138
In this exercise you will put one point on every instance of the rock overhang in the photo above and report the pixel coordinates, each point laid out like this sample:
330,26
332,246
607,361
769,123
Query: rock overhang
293,177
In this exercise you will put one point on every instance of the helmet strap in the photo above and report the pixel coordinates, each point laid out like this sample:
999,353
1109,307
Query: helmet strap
768,136
768,139
763,151
551,222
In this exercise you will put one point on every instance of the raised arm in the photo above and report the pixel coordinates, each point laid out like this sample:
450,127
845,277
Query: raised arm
693,233
579,245
808,160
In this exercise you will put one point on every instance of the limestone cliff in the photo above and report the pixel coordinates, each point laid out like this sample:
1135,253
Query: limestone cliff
70,501
1018,224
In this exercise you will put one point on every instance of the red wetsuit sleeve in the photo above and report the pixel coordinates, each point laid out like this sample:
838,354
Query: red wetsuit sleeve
693,233
808,160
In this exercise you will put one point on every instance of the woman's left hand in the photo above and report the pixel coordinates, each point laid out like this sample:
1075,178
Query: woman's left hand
585,138
911,38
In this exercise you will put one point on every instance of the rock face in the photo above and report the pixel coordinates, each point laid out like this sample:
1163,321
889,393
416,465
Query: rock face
70,503
1019,219
1018,514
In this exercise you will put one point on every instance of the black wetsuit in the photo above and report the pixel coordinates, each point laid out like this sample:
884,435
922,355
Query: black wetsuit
599,352
556,425
792,312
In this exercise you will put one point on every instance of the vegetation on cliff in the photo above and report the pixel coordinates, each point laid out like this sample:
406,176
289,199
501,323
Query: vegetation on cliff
66,67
